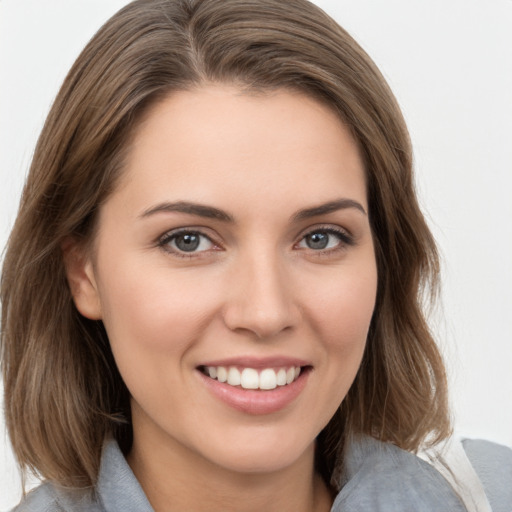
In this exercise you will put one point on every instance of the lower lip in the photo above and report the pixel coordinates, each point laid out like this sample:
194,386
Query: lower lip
256,402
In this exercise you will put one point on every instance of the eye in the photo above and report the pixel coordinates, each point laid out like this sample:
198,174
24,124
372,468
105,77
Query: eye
325,240
186,242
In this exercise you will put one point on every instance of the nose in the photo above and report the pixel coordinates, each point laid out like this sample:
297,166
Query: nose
260,298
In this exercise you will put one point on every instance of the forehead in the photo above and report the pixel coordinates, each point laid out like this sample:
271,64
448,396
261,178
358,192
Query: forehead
217,142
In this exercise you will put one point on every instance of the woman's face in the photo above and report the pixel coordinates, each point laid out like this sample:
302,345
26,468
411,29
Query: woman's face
237,246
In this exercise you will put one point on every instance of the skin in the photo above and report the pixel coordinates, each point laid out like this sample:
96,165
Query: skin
253,288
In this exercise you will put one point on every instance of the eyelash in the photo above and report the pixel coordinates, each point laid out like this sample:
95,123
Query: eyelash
165,241
345,240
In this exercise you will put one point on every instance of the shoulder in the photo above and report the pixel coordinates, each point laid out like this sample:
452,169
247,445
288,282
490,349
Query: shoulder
493,465
116,489
49,498
381,476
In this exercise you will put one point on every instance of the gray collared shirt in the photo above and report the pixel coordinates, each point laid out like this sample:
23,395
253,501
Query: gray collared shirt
379,477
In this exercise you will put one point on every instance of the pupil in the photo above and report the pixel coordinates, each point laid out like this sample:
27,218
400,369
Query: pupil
317,240
187,243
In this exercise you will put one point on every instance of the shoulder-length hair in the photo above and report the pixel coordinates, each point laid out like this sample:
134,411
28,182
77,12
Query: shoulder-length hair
63,392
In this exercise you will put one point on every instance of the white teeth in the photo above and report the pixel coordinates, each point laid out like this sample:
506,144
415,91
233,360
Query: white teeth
233,377
249,378
268,379
222,374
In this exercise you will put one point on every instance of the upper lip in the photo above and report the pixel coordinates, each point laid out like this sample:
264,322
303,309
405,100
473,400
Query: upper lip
258,362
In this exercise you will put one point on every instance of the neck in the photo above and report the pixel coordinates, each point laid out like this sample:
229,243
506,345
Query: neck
176,479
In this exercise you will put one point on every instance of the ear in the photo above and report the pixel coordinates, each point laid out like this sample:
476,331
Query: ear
81,279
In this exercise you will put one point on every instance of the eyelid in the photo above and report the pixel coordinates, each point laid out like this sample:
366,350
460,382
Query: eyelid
164,240
345,236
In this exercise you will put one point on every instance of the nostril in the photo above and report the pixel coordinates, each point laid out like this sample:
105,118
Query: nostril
260,323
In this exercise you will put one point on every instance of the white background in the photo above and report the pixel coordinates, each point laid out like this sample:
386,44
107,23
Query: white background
450,64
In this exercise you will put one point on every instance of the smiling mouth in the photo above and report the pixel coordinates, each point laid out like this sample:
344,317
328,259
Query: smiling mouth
264,379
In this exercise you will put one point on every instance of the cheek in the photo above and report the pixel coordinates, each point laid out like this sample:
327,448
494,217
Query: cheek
152,328
342,314
145,316
339,316
344,307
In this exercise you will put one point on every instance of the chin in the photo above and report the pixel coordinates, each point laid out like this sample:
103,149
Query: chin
261,452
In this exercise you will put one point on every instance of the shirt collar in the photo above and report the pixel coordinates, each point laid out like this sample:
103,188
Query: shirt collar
117,488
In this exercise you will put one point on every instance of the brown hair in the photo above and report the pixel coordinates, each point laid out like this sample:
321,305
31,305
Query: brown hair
63,393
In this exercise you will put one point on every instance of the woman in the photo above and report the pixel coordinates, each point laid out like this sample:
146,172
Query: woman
216,215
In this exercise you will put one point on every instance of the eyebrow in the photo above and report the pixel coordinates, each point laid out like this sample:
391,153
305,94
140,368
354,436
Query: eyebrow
211,212
330,207
191,208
